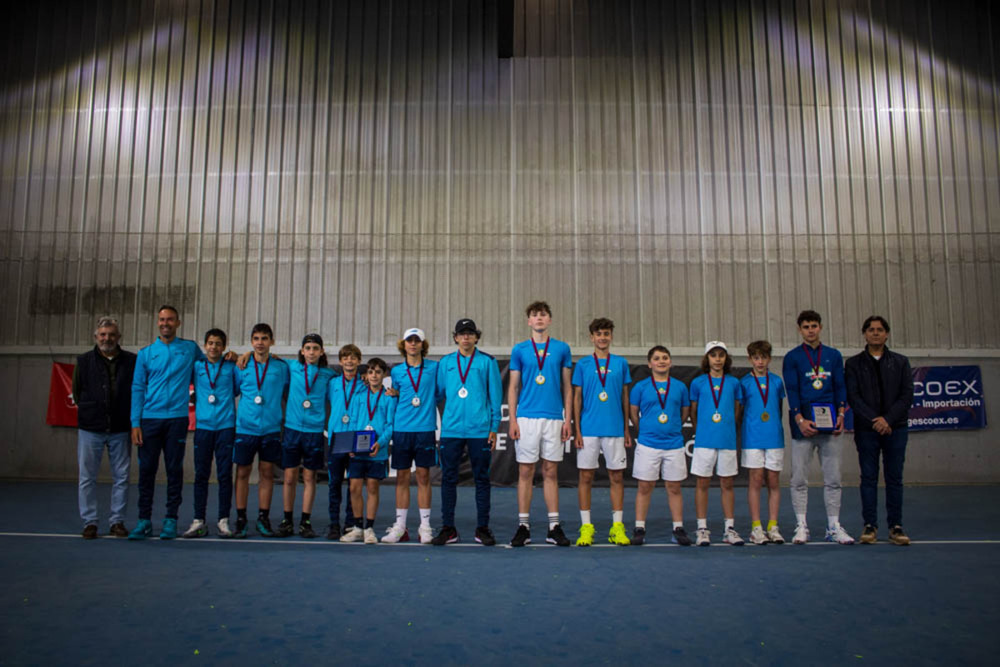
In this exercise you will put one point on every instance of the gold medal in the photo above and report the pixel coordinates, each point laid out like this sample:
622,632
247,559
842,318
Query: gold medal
603,396
764,416
663,418
539,379
717,418
817,384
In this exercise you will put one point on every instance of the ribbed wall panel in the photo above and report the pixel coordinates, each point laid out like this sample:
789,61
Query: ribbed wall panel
693,170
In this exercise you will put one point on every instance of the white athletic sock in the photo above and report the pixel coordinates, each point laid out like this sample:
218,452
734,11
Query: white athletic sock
617,517
584,516
678,524
401,517
640,524
702,523
425,516
801,518
729,523
832,522
523,519
553,520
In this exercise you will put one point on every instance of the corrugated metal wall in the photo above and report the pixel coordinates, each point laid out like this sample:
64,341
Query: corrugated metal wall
693,170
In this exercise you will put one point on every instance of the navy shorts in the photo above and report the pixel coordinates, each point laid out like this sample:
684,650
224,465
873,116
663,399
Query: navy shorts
266,447
365,468
413,446
305,449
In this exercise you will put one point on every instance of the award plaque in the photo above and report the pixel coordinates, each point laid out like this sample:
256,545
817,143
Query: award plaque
343,443
364,442
824,415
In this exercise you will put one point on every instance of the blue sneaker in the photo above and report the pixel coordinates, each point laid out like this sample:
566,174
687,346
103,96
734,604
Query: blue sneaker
264,526
169,529
241,529
143,529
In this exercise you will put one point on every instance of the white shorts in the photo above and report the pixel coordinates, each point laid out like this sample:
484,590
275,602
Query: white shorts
539,435
652,464
705,459
772,459
612,448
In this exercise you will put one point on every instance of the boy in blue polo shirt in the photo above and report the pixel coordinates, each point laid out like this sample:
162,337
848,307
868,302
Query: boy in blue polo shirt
660,407
601,408
814,373
215,392
540,402
303,441
340,391
374,410
413,433
263,384
715,409
469,381
763,440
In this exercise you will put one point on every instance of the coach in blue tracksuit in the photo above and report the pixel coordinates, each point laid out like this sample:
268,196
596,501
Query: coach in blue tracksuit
160,394
469,382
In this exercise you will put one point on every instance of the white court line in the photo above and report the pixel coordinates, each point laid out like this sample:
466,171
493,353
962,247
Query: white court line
330,543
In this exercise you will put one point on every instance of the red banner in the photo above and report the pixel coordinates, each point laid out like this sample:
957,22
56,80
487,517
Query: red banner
62,409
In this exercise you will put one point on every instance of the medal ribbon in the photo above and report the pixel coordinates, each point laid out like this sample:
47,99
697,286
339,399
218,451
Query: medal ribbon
721,385
305,371
211,382
458,360
819,358
666,394
257,373
347,397
371,411
416,385
767,392
603,378
545,351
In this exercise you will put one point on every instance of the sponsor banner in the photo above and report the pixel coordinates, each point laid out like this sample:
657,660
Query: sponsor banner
944,398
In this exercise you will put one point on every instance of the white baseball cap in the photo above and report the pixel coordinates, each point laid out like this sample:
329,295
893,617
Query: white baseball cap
419,333
712,344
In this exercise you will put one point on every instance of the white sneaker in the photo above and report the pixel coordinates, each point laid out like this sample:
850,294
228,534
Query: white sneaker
426,533
370,536
758,536
353,534
774,535
732,537
396,533
197,529
801,534
703,537
839,535
224,530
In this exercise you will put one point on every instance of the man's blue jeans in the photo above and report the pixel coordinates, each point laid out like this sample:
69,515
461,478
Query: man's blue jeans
89,451
892,449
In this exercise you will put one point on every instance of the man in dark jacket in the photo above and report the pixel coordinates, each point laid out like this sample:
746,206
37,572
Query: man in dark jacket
102,390
880,391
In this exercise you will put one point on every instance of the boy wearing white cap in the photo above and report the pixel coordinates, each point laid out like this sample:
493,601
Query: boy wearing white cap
413,438
716,398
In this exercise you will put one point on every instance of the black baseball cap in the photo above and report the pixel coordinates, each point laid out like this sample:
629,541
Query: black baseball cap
312,338
464,325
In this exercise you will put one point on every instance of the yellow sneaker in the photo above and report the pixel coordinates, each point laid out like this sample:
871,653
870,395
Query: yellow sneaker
617,534
586,535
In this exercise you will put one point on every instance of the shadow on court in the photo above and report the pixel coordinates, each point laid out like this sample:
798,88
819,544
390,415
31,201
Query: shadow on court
66,600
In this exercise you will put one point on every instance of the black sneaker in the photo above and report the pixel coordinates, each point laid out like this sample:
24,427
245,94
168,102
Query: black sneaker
333,532
638,537
521,537
557,537
264,526
241,529
285,529
485,536
680,537
446,535
306,530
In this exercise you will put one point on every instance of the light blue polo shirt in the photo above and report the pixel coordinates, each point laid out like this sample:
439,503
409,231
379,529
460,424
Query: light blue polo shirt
602,418
540,401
